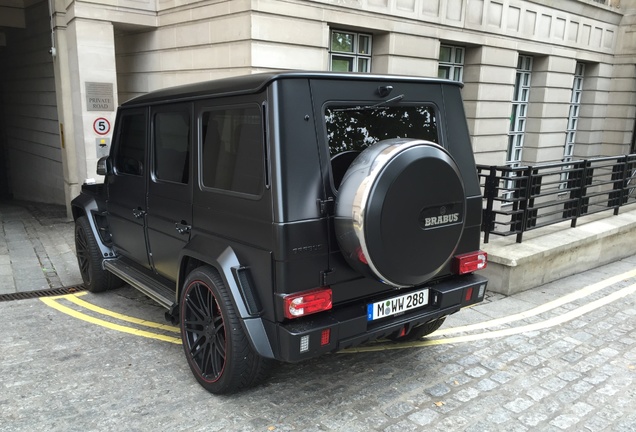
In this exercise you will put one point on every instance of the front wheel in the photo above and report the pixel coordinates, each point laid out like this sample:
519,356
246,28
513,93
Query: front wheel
215,344
89,259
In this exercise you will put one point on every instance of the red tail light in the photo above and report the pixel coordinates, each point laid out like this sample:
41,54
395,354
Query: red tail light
470,262
308,302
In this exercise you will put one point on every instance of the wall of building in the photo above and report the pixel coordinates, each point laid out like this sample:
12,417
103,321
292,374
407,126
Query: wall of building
32,150
195,41
143,45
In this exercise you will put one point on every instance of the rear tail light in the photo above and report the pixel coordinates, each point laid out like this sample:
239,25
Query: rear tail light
308,302
470,262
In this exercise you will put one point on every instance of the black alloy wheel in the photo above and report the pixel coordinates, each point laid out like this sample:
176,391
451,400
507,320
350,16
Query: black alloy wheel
214,342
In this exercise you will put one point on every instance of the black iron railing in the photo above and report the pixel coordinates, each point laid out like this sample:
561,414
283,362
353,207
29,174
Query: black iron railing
524,198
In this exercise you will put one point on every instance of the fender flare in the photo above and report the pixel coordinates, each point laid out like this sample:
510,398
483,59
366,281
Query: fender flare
86,205
226,264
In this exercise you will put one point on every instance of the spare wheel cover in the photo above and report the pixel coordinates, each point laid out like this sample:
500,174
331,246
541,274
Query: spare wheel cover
400,211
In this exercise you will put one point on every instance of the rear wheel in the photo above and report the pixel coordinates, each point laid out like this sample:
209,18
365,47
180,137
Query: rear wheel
89,259
215,344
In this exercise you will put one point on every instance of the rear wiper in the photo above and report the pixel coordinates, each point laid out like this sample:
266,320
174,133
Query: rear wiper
372,107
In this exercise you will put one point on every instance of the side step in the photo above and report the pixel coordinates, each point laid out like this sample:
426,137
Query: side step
147,285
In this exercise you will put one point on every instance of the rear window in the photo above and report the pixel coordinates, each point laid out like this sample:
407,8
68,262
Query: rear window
352,129
356,128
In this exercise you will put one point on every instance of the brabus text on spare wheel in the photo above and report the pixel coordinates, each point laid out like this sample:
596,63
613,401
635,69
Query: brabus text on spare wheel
441,220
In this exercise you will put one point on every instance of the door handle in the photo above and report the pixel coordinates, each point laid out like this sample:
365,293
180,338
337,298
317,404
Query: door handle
138,213
182,227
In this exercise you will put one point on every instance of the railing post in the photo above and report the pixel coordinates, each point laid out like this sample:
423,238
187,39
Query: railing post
619,178
490,192
523,195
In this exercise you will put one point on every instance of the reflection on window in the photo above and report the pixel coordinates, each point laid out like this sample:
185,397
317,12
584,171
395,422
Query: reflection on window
172,146
350,52
232,154
359,128
129,155
350,130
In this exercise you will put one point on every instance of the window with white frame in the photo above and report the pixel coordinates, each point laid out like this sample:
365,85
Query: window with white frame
519,111
573,116
451,62
350,52
573,120
518,118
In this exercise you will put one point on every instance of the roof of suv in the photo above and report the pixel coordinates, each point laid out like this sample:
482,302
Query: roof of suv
246,84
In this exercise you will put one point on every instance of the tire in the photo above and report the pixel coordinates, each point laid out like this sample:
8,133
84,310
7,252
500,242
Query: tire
400,211
89,259
420,331
215,344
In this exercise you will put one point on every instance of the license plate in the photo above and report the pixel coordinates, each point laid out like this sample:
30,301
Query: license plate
397,305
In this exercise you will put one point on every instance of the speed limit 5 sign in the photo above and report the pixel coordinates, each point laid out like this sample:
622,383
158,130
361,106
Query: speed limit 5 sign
101,126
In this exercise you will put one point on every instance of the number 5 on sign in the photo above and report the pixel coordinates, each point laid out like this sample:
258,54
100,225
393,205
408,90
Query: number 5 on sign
101,126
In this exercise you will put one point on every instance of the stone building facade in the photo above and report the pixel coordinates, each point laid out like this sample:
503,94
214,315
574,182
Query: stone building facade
543,80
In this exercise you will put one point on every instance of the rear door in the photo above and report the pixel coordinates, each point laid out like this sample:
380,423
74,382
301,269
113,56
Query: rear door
127,186
169,216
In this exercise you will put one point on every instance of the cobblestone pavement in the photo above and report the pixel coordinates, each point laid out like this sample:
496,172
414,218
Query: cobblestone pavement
37,249
561,357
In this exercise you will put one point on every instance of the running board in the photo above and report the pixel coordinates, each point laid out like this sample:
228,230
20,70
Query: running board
147,285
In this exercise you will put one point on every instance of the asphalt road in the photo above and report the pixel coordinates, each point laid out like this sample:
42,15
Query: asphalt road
561,357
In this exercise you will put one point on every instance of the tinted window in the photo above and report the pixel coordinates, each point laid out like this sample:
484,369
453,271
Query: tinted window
172,146
232,154
129,155
354,129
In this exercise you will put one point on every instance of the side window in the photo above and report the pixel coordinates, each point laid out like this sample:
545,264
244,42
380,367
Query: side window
171,146
130,151
233,152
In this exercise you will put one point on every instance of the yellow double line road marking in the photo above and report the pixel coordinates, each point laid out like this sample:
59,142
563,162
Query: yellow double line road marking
74,298
54,302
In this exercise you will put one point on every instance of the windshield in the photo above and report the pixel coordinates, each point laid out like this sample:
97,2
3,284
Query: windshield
354,129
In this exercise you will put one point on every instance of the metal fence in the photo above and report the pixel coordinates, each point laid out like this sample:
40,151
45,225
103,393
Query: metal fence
524,198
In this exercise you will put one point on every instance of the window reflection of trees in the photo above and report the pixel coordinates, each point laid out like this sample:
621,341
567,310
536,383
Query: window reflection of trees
356,129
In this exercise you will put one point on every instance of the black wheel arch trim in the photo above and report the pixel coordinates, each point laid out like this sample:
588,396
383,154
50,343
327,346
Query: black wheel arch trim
226,264
86,205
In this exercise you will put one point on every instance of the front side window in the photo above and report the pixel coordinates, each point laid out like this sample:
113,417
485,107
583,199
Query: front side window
352,129
172,146
350,52
131,145
233,156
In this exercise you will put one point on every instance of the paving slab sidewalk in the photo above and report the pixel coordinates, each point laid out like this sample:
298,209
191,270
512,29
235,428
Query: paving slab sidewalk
37,249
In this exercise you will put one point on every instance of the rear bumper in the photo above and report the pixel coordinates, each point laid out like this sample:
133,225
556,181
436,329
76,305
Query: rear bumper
348,326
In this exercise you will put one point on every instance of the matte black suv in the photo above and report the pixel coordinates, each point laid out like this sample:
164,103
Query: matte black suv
286,215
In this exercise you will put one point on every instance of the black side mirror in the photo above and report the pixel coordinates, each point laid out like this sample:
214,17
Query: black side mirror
103,166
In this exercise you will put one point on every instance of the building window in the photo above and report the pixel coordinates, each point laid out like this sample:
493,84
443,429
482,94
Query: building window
350,52
451,63
519,111
573,117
